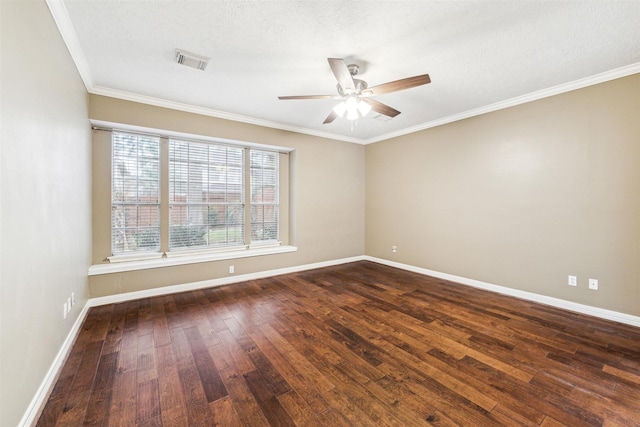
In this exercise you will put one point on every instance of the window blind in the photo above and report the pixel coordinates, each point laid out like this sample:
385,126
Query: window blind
135,193
215,196
206,195
264,195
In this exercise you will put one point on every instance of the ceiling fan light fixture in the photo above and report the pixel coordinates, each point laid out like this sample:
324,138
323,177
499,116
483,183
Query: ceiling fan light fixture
340,109
351,105
352,115
363,107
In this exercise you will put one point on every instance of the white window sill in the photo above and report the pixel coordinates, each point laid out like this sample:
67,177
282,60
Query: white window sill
119,267
134,257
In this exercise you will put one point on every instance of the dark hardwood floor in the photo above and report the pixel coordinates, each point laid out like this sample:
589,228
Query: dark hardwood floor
358,344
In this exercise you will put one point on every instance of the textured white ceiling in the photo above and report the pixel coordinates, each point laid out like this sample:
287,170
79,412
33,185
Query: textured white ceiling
478,54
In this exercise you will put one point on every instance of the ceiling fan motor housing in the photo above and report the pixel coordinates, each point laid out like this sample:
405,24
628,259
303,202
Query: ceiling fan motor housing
360,85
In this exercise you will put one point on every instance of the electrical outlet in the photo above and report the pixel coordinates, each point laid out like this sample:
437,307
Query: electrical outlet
73,299
593,284
232,269
394,249
64,313
573,281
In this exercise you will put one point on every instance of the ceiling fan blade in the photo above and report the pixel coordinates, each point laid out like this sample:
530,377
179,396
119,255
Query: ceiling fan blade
381,108
309,97
340,70
331,117
397,85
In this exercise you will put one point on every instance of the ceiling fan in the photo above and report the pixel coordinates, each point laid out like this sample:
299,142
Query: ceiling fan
356,95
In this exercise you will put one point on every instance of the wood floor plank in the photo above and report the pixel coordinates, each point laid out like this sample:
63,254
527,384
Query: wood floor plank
241,397
300,412
213,386
353,344
550,422
488,381
393,366
172,313
300,387
146,367
161,335
100,325
100,398
115,330
145,317
172,410
60,392
321,348
224,415
309,371
123,411
268,402
128,355
346,407
192,390
399,396
276,383
75,406
630,377
147,401
360,401
242,362
216,313
194,398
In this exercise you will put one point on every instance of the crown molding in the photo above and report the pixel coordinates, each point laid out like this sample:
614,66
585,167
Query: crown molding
65,27
533,96
174,105
63,21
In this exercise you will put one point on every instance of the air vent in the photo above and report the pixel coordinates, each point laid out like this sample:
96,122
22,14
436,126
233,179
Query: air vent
191,59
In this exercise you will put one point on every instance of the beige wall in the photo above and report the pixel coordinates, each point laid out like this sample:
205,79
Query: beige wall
46,200
327,196
521,197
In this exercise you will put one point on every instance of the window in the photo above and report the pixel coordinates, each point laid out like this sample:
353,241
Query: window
135,194
206,195
174,196
264,196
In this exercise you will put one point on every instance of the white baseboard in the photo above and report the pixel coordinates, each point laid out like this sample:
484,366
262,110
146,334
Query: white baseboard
166,290
529,296
39,399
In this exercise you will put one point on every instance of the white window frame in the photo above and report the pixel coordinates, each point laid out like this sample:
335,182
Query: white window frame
202,192
120,206
261,210
166,258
